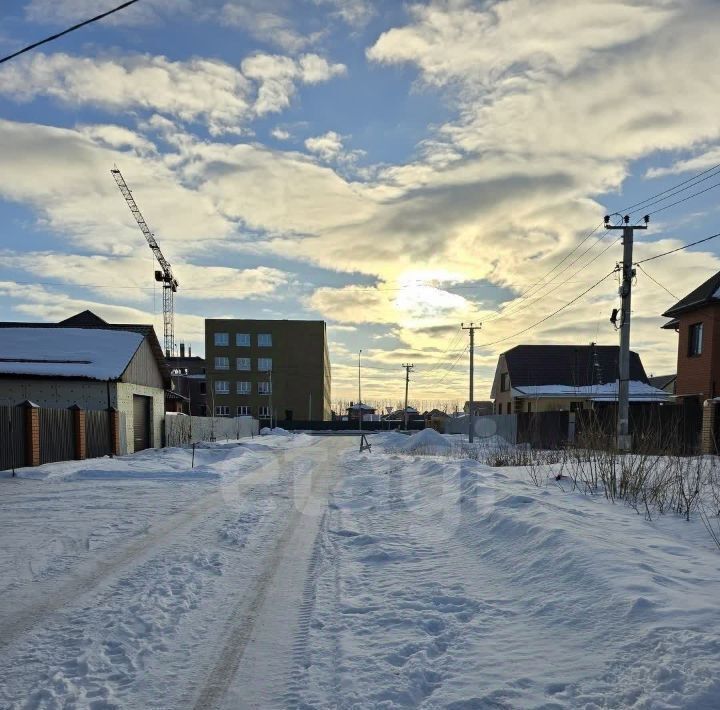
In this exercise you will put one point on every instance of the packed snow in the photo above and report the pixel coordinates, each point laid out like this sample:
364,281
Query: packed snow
293,571
67,352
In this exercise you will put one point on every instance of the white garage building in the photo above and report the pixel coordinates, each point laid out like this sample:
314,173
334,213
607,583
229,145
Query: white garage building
86,361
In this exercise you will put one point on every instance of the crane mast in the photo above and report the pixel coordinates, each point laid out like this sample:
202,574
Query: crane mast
164,274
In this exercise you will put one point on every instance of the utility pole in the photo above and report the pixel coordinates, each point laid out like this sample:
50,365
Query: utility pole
624,440
472,327
407,383
359,394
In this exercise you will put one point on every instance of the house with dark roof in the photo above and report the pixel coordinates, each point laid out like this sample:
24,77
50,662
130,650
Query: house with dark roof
541,378
97,365
664,382
696,319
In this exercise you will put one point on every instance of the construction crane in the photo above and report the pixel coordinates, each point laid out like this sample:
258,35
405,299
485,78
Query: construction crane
164,274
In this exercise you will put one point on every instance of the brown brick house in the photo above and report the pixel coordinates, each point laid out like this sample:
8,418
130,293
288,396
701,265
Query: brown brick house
696,319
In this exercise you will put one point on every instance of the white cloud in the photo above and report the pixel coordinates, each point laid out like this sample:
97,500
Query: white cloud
280,134
131,278
265,25
328,146
698,163
70,11
356,13
194,90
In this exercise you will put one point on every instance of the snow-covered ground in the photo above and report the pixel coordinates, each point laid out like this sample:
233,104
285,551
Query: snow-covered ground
293,571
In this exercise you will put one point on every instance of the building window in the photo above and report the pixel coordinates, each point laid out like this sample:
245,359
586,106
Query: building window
264,388
243,388
529,406
243,411
203,388
264,340
222,363
504,382
695,338
264,412
509,408
222,410
222,339
242,340
222,387
264,364
242,363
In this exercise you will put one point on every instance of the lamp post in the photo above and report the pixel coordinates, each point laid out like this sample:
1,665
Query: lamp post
359,394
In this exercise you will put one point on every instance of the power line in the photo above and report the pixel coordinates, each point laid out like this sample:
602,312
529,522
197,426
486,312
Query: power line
657,282
672,251
633,207
685,199
551,315
67,31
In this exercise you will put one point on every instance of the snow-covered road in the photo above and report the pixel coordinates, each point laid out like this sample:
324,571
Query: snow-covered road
295,572
139,583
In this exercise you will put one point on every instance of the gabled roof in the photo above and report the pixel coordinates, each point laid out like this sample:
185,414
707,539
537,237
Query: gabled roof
705,293
662,381
568,365
89,320
67,352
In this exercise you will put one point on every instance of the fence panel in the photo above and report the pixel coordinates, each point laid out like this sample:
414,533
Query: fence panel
12,437
486,426
98,437
181,430
57,441
544,430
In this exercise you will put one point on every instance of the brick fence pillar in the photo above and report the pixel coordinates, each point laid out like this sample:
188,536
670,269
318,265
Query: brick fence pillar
114,431
79,432
32,433
707,436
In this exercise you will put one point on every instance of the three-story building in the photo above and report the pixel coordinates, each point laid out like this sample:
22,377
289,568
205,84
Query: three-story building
268,368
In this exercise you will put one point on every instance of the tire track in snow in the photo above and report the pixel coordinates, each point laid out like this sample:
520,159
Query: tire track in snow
53,596
256,658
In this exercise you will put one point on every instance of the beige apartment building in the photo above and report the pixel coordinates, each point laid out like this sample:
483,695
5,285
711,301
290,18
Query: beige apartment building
255,367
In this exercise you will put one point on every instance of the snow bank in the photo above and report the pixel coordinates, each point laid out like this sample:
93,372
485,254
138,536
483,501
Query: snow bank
427,441
278,430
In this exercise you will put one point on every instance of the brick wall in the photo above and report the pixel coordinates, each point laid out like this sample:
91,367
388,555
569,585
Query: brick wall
699,375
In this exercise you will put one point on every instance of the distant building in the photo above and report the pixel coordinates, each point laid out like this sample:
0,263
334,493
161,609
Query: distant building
189,380
258,367
354,411
666,383
541,378
480,407
86,361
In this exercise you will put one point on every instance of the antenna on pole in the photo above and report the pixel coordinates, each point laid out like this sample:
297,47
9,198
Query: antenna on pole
164,274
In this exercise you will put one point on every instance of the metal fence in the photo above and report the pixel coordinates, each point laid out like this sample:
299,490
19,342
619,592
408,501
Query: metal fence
98,439
181,429
12,437
57,435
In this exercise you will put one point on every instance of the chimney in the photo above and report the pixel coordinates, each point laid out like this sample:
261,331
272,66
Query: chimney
182,349
189,350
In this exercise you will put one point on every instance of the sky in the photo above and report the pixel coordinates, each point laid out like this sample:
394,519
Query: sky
394,168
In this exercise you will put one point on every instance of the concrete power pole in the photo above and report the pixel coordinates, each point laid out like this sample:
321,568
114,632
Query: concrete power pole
472,327
624,440
407,383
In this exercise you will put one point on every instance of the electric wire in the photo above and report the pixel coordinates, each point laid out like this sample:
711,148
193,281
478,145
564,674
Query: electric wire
673,251
34,45
654,280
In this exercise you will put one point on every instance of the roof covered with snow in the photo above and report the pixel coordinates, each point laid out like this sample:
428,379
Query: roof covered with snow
572,365
67,352
639,392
